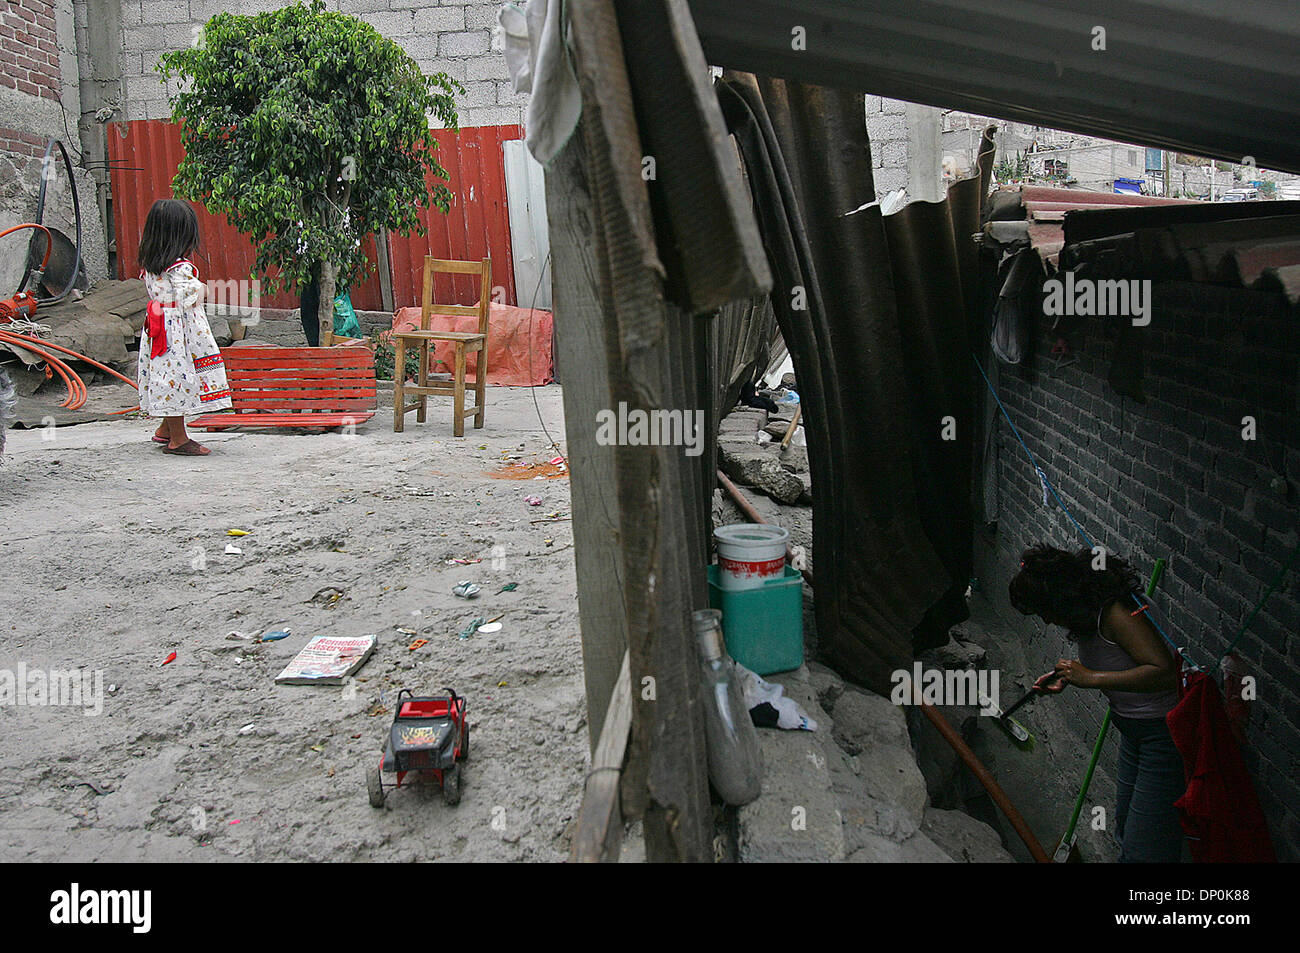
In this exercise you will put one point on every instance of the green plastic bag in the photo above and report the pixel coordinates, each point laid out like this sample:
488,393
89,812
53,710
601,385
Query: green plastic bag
345,318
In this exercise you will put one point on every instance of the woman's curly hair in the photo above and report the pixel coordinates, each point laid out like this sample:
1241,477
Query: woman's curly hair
1059,585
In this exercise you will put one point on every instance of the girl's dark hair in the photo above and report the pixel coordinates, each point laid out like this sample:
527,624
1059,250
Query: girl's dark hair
1063,587
171,231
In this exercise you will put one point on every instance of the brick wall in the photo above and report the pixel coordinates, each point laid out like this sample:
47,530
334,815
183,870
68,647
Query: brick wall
1173,478
459,39
29,48
21,143
39,101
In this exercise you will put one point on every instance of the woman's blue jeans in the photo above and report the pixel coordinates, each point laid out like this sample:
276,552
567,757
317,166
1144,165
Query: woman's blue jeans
1151,778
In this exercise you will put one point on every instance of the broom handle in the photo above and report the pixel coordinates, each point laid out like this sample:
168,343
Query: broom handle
1087,779
1156,573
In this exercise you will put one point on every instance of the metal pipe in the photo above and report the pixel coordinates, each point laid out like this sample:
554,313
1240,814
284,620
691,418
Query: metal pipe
982,774
941,723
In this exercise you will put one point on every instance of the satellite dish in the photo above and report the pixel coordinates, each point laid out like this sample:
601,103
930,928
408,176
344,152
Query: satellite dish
58,271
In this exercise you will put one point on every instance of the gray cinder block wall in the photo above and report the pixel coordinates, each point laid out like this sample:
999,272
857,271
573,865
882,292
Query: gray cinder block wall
459,39
887,130
1173,478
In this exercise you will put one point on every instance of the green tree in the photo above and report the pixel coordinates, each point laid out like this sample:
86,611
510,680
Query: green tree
308,130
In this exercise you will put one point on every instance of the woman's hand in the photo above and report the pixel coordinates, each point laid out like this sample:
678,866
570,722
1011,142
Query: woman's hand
1066,672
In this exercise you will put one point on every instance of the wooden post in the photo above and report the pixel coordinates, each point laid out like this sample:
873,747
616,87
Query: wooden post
579,360
384,255
625,352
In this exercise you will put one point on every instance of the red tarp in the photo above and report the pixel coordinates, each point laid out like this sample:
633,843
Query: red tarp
519,346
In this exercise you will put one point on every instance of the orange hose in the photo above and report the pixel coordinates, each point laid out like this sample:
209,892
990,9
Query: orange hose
70,378
77,393
49,242
76,387
80,357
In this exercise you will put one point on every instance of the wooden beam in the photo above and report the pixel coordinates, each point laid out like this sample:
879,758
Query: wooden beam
599,834
580,343
384,257
636,356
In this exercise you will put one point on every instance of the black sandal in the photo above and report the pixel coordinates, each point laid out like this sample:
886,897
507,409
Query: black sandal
189,448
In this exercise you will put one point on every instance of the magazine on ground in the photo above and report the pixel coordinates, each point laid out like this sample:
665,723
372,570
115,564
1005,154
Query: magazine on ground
327,660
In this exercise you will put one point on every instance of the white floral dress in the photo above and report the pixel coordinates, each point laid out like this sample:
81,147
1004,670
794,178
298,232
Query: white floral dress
189,376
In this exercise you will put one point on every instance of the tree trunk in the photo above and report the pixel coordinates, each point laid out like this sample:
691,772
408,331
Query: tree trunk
325,308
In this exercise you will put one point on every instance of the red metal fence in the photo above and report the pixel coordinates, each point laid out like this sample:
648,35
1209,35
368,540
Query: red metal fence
477,225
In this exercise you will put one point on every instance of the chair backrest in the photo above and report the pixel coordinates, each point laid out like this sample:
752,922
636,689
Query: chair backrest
483,269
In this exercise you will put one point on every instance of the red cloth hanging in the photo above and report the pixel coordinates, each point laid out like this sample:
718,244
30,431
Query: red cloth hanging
157,328
1220,811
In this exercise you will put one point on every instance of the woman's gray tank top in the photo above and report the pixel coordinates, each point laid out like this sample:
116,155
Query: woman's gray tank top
1102,655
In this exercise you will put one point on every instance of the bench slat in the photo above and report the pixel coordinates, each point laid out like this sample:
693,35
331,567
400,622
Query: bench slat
226,421
347,374
293,406
298,354
292,366
290,389
296,387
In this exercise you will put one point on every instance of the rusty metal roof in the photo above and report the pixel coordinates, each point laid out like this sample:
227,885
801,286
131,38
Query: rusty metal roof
1200,76
1045,208
1250,245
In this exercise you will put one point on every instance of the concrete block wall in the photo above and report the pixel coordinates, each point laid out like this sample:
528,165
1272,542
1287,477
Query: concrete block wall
887,130
459,39
1173,478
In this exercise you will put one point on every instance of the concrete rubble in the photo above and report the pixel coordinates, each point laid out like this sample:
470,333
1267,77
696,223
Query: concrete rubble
780,474
859,788
852,790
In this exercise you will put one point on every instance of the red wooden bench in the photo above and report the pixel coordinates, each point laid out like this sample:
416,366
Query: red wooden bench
296,387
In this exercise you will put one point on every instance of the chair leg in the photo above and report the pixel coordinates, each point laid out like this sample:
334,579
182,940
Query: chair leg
480,386
422,378
458,389
399,378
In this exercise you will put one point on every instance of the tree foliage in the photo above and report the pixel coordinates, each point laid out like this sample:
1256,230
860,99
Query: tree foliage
309,130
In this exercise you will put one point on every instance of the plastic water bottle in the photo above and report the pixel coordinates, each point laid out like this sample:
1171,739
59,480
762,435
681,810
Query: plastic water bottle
735,765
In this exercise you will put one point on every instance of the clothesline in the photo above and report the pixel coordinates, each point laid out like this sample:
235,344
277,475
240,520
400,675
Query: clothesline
1050,488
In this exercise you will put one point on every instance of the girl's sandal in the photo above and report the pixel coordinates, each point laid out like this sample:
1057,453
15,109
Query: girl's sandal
157,438
188,449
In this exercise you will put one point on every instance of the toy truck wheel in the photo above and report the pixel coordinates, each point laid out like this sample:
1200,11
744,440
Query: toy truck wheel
464,745
451,785
375,788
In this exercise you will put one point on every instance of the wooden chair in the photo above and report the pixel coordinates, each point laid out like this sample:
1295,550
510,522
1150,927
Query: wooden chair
462,342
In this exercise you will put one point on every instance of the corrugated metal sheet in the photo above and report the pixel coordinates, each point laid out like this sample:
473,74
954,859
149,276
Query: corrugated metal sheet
476,226
1045,208
1249,246
526,185
1200,76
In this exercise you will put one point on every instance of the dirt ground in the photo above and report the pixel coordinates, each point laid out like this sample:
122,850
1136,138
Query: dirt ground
113,555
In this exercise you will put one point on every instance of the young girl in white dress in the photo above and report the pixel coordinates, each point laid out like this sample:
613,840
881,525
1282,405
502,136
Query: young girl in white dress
181,370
